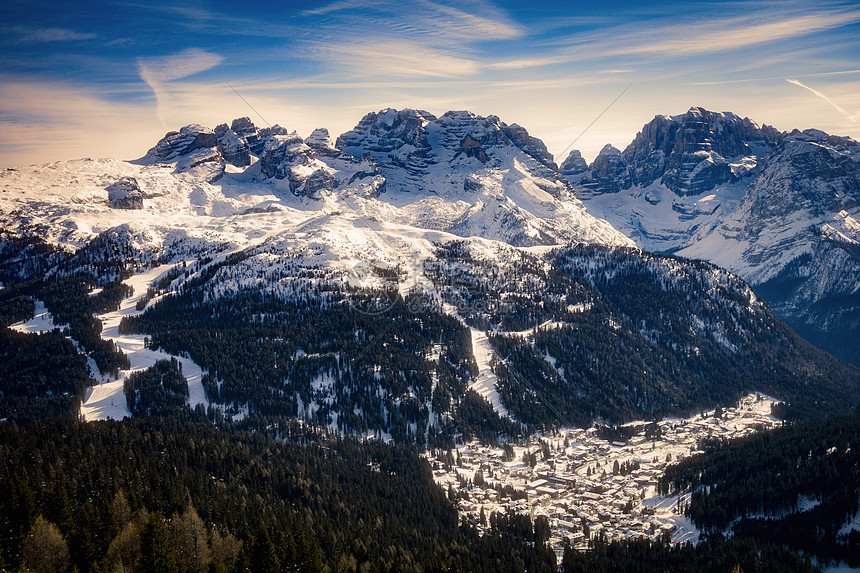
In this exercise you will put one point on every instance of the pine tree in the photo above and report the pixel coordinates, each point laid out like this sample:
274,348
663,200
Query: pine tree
264,558
157,554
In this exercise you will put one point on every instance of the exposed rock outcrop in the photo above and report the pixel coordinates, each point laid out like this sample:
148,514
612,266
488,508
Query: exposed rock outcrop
574,164
125,194
697,151
531,145
609,172
320,141
175,143
234,148
288,157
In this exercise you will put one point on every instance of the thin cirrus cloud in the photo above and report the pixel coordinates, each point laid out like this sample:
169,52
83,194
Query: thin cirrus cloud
733,34
771,78
426,19
80,123
433,40
395,58
338,6
693,38
24,35
158,72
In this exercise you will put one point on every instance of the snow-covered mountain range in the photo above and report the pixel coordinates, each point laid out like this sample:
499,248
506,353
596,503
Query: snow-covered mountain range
779,209
453,240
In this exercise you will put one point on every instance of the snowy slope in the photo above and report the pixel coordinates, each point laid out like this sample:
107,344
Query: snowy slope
107,399
452,212
292,216
393,187
190,198
804,194
678,180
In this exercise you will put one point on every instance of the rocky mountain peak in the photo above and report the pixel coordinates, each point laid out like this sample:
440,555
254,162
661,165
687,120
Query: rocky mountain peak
234,148
478,163
609,172
192,146
416,139
689,153
289,157
574,164
244,127
320,141
531,145
195,144
388,128
812,172
319,137
818,136
188,139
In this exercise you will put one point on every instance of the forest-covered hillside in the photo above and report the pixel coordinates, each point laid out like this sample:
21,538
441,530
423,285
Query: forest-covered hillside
156,495
159,495
797,485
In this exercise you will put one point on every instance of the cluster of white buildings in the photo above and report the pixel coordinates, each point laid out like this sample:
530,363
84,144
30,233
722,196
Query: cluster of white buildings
586,486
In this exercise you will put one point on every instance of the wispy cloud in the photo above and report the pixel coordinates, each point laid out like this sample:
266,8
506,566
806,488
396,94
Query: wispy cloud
843,111
471,26
79,124
425,18
159,71
397,58
432,39
177,66
341,5
24,35
534,62
678,38
732,34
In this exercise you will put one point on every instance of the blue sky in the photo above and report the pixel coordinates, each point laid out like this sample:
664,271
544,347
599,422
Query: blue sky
109,79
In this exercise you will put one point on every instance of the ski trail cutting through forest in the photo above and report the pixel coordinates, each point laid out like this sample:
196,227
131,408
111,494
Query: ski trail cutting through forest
486,382
107,400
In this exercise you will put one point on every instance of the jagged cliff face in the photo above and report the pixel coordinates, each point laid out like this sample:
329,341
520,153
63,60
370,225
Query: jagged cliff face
445,224
415,141
609,173
806,192
282,155
796,236
688,154
573,164
810,173
473,176
695,152
779,209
